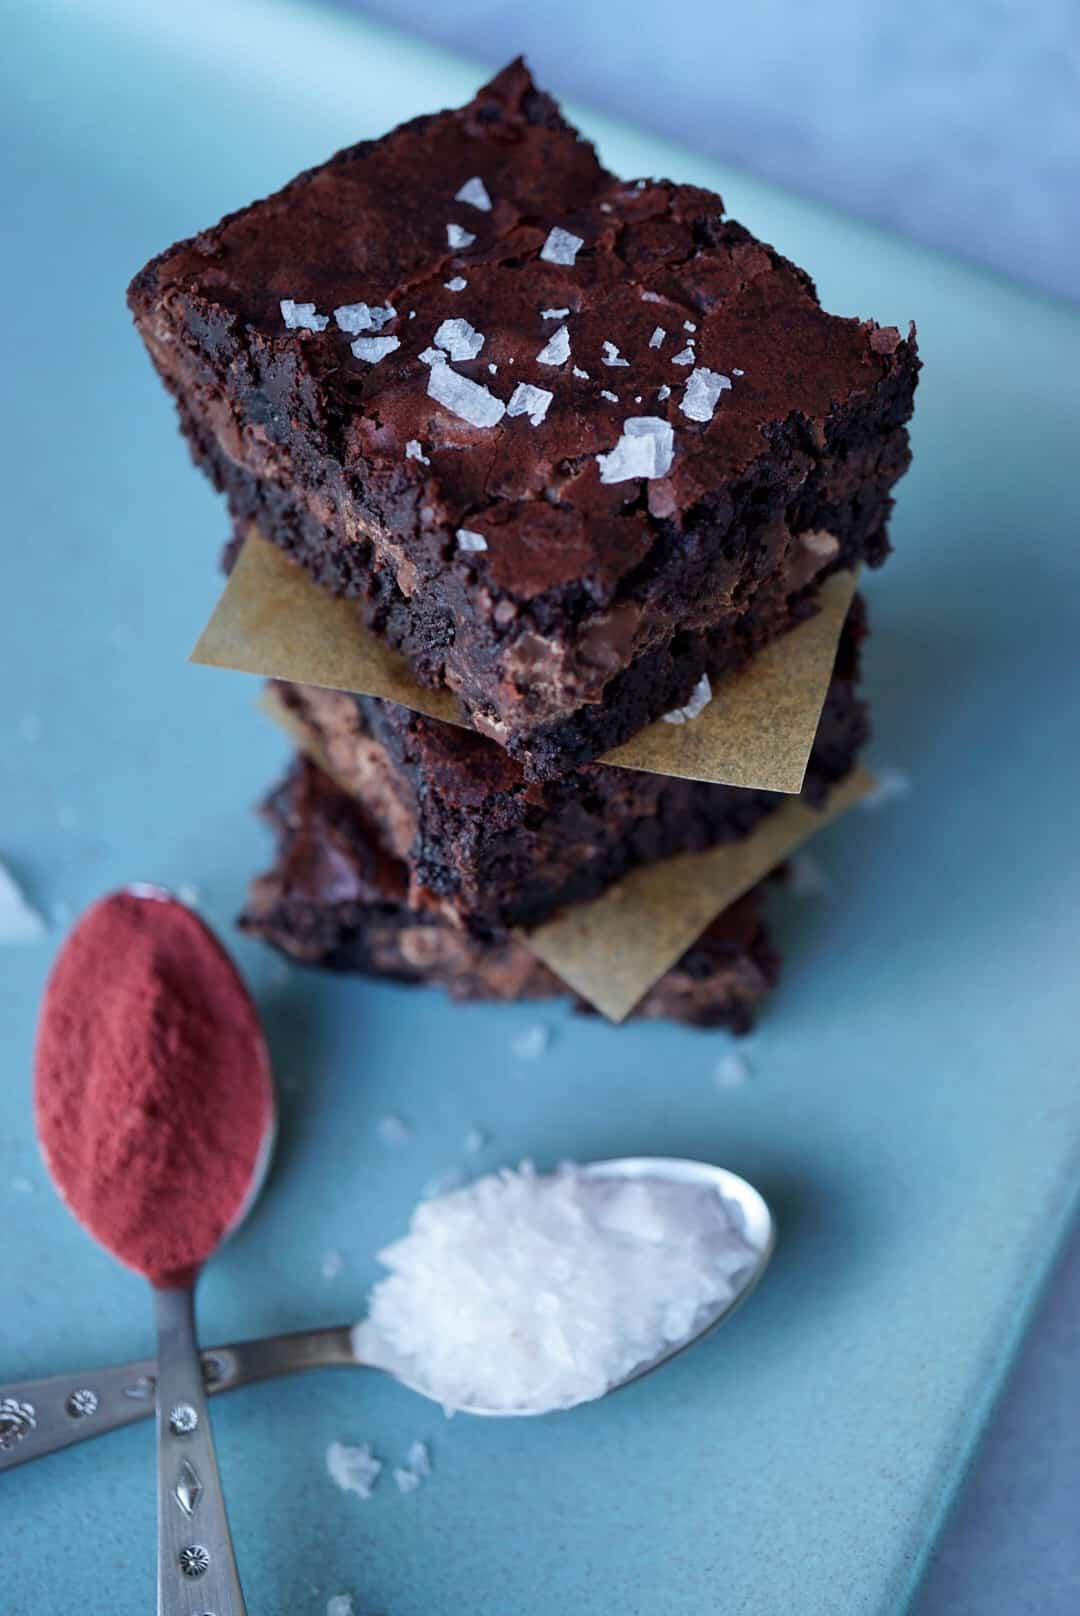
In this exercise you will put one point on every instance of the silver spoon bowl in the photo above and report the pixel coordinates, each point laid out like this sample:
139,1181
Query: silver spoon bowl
42,1416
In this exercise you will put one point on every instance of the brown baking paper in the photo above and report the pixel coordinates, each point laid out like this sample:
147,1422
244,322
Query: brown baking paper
756,732
614,948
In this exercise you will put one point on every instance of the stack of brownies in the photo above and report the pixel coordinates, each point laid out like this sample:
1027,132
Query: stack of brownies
576,448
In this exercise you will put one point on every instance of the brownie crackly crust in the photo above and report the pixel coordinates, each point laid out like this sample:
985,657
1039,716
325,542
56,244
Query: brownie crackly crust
337,898
493,851
569,441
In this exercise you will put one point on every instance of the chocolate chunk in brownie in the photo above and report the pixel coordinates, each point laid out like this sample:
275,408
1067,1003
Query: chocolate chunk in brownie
570,441
337,898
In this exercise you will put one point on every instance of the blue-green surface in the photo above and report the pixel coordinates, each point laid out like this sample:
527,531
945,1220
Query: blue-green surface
914,1109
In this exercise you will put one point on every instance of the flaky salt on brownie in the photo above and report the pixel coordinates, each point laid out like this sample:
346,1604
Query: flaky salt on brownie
337,898
491,851
571,442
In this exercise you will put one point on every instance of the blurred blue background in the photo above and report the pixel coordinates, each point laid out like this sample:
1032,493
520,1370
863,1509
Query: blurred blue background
956,124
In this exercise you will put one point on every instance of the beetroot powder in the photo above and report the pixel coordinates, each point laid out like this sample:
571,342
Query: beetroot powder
152,1092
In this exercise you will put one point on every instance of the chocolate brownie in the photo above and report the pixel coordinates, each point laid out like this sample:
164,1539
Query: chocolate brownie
337,898
493,850
570,441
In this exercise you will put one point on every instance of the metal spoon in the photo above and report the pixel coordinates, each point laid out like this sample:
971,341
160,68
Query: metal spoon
41,1417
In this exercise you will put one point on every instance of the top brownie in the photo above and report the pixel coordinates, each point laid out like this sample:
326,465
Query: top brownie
571,441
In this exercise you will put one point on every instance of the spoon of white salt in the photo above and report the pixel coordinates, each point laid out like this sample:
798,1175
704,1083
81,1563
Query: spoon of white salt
522,1293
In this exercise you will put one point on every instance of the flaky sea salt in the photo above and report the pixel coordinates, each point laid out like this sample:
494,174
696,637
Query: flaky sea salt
582,375
688,325
612,355
657,337
414,450
372,349
392,1130
468,400
418,1458
354,1470
651,297
531,1042
731,1072
556,351
646,449
685,357
474,192
407,1480
663,392
703,389
529,1293
457,284
459,338
19,920
700,697
457,237
531,401
467,540
612,398
339,1605
302,316
554,314
561,246
354,318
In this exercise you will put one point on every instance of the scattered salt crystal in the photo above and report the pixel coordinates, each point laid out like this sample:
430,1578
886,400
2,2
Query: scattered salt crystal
432,356
889,786
22,1186
464,398
474,192
30,727
611,354
451,1178
561,246
688,325
531,401
414,450
333,1264
531,1042
418,1458
554,314
735,371
806,878
19,921
392,1130
731,1072
607,207
700,697
556,351
646,449
527,1292
372,349
354,1470
459,338
302,316
407,1480
657,337
412,314
353,318
339,1605
475,1140
582,375
456,237
686,357
467,540
493,368
612,398
188,893
703,389
651,297
457,284
663,392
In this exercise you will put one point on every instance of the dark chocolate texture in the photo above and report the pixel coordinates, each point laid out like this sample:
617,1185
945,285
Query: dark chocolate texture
596,604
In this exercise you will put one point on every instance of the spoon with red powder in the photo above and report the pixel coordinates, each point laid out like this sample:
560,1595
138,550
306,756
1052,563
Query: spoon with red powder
155,1111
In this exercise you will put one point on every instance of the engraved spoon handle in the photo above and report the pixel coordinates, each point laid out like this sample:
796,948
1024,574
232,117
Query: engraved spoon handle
194,1542
42,1416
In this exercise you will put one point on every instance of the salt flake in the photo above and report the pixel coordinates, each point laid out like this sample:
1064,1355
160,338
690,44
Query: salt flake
531,401
554,314
467,540
700,697
459,339
531,1042
407,1480
302,316
561,246
339,1605
731,1072
688,325
354,1470
612,398
466,399
19,921
582,375
474,192
686,357
611,354
457,284
418,1458
556,351
356,317
663,392
703,389
646,449
372,349
457,238
414,450
657,337
651,297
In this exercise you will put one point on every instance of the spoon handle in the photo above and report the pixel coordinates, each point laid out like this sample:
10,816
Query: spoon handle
57,1411
196,1564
